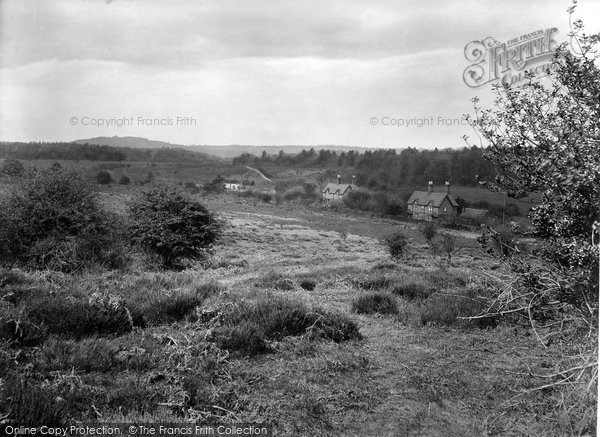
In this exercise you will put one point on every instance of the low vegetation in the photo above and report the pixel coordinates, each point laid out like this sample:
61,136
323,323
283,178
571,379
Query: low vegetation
375,303
249,327
173,225
305,320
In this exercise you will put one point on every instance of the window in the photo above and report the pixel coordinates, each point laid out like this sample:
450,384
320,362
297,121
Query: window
445,209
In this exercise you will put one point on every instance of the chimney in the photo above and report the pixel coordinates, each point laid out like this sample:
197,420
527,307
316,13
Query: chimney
430,188
339,179
447,187
353,179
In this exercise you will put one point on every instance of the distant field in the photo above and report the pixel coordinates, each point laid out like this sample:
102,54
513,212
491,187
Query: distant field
203,172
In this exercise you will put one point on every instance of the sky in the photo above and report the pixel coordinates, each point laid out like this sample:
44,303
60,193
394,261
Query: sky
383,73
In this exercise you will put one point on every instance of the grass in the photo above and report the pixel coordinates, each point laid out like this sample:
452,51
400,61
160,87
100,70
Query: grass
375,303
227,344
412,289
78,319
251,325
450,309
274,280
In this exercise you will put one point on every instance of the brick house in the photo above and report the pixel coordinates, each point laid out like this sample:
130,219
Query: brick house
433,206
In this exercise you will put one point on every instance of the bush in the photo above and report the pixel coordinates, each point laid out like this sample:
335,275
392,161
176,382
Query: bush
155,307
358,199
245,339
397,244
103,177
428,229
445,243
293,193
164,310
13,167
308,284
74,318
445,309
51,220
170,223
265,197
249,325
412,290
375,303
395,206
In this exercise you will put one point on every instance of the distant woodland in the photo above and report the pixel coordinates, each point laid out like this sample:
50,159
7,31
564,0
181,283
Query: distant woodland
93,152
382,169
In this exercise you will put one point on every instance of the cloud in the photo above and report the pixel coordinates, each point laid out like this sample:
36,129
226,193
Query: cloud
255,71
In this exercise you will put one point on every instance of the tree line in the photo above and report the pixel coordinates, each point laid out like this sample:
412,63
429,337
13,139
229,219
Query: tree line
93,152
381,169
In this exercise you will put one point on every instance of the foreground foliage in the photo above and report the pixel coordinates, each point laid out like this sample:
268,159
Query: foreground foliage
173,225
51,220
545,141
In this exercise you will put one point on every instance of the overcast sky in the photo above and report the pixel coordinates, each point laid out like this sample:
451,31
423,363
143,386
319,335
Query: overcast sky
264,72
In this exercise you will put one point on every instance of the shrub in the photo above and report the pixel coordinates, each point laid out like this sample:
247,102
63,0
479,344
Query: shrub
395,206
103,177
375,303
245,339
74,318
173,225
412,290
428,229
358,199
149,308
249,325
447,244
397,244
293,193
164,310
13,167
308,284
52,220
445,309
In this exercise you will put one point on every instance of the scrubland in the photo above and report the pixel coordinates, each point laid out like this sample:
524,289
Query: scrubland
300,319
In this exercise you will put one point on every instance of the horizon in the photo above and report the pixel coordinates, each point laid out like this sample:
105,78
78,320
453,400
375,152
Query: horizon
78,141
384,76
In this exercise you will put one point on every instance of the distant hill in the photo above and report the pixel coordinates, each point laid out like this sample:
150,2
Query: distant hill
230,151
132,142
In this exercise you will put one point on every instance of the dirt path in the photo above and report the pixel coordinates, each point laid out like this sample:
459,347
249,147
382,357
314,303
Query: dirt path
260,173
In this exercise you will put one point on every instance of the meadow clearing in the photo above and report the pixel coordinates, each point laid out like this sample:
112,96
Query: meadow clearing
300,320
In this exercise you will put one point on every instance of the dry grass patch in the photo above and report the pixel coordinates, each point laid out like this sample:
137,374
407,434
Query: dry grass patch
375,303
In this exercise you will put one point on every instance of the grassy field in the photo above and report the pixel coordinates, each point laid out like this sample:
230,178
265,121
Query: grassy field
300,320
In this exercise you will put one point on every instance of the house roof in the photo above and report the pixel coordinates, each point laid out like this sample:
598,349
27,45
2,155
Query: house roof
341,188
474,213
424,198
